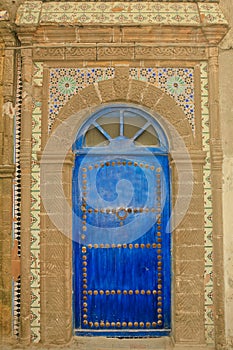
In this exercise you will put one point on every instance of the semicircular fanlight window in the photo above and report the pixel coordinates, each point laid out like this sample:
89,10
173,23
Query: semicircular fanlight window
124,124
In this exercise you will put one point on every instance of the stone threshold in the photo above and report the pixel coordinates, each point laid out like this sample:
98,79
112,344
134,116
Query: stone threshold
104,343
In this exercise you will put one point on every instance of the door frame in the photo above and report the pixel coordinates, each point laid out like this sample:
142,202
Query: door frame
163,151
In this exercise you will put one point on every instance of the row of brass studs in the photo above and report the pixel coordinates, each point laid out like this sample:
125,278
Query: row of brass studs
84,295
84,275
114,211
159,252
130,246
118,291
84,258
84,218
84,227
118,163
122,324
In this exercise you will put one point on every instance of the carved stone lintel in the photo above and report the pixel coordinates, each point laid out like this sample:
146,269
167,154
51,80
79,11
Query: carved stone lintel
81,52
118,51
49,53
171,52
115,52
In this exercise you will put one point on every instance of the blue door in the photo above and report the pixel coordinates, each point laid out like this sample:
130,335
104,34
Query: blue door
121,247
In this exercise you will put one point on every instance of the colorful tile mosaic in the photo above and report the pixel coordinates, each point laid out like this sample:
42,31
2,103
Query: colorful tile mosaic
17,196
177,82
129,12
65,82
209,327
35,209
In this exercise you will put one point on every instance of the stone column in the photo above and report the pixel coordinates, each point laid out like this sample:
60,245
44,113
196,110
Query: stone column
188,251
216,180
25,161
56,248
6,179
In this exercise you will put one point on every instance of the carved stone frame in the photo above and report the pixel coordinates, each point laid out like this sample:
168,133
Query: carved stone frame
188,248
188,238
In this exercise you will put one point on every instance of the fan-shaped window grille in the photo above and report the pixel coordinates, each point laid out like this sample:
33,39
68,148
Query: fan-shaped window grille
121,123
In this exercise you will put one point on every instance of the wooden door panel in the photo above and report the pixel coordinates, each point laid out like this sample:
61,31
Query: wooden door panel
121,249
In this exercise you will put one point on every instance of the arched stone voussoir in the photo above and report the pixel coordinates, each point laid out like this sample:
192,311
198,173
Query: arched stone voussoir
151,96
129,90
121,83
167,107
74,105
106,90
136,91
90,95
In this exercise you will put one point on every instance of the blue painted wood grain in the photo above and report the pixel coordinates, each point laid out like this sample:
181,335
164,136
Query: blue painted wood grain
125,269
121,254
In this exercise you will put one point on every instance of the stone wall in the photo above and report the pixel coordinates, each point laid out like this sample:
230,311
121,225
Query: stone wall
92,49
6,181
226,115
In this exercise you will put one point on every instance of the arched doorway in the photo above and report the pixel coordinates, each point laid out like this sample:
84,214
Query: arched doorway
121,205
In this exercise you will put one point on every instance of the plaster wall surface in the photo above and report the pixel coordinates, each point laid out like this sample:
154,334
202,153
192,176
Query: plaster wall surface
226,117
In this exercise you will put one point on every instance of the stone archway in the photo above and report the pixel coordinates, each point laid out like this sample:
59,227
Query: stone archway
125,89
188,241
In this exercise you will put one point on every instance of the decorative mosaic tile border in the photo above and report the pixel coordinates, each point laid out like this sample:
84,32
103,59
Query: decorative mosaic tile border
176,82
65,82
35,209
209,320
129,12
17,196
